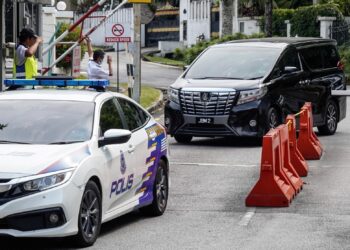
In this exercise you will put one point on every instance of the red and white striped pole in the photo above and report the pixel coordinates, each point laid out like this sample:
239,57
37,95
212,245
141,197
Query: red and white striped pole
71,28
83,37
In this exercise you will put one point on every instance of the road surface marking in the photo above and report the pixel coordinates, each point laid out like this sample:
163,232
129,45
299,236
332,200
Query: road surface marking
247,217
213,164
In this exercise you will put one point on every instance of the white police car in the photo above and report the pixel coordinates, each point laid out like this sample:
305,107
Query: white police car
73,159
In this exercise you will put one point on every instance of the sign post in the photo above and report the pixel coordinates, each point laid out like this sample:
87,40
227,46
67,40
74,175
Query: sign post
116,33
137,55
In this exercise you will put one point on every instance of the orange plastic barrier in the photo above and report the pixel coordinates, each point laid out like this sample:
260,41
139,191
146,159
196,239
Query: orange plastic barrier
273,188
308,143
287,166
296,158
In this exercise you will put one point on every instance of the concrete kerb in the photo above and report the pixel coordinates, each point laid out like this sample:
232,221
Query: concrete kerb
157,104
144,59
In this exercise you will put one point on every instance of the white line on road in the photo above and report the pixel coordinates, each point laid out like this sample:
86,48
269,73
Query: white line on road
247,217
212,164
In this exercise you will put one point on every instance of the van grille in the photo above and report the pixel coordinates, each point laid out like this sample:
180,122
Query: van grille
217,103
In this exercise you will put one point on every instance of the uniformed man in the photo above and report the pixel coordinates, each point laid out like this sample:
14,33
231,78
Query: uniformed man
95,71
25,66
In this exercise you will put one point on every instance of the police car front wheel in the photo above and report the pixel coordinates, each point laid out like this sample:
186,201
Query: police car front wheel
89,221
160,192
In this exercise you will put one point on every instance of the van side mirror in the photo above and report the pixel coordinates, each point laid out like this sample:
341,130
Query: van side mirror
114,136
290,69
185,67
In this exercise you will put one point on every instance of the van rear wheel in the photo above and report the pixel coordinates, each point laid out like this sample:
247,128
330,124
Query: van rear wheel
331,117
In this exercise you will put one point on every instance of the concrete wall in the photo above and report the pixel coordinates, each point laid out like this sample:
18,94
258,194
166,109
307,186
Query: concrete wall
198,21
248,26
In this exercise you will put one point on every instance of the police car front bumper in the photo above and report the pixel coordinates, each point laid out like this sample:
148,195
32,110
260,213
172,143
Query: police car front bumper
51,213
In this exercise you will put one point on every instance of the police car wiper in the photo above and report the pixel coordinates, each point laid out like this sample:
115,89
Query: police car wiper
64,142
13,142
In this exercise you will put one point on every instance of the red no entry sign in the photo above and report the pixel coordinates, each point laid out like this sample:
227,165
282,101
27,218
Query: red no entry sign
118,30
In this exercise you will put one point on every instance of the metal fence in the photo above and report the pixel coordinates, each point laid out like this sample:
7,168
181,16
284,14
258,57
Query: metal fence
340,31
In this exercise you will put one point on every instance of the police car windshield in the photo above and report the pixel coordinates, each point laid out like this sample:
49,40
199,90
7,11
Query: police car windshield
234,63
45,122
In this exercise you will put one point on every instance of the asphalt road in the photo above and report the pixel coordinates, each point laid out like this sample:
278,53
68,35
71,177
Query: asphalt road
152,74
210,179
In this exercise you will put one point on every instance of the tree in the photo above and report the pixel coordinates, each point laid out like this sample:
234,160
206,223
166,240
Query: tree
268,18
227,14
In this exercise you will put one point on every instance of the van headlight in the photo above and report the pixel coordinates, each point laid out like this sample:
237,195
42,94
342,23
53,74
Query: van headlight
251,95
173,95
47,182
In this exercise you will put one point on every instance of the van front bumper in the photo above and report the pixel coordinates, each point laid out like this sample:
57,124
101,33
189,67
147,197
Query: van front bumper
243,120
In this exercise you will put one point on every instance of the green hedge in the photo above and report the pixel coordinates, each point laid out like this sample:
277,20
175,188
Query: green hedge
343,5
304,21
188,55
345,57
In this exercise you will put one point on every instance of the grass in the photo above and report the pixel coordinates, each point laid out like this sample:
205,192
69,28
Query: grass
149,95
166,61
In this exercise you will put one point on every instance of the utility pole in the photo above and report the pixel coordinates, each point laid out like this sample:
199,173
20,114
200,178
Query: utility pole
2,45
137,53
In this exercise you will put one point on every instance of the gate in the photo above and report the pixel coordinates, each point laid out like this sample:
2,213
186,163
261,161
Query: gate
340,31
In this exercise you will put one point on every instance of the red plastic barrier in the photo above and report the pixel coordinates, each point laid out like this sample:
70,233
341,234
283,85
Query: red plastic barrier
296,158
287,166
308,143
273,188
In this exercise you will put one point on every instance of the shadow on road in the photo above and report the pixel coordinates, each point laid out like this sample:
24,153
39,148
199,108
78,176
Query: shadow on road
11,243
222,142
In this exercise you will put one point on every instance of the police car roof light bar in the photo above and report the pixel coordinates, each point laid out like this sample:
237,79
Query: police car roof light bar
18,83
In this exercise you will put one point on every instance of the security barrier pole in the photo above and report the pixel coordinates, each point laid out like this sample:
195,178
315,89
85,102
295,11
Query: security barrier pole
83,37
71,28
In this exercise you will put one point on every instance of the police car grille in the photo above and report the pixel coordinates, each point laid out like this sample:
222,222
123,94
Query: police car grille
219,103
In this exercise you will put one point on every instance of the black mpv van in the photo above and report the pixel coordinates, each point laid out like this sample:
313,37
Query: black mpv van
246,87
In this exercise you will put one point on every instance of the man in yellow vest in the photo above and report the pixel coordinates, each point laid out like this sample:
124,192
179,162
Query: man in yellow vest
25,65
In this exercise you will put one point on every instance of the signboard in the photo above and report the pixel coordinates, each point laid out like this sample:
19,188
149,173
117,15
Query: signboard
76,59
139,1
118,32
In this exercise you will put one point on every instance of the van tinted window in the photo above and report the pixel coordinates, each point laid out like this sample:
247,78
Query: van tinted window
313,57
330,56
319,58
289,59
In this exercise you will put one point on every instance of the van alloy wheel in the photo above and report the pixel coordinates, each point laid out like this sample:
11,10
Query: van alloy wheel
331,119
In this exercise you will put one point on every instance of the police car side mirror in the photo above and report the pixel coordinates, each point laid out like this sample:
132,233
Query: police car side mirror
114,136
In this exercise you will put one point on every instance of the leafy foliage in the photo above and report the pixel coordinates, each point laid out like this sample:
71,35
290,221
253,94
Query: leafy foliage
345,57
60,48
343,5
304,21
190,54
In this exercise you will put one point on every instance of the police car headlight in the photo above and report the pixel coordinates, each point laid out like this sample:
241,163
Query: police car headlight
251,95
47,182
173,95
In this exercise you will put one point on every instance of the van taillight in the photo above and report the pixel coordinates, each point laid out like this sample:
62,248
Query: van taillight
340,65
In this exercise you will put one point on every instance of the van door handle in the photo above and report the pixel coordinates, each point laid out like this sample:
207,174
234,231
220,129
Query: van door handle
131,149
305,82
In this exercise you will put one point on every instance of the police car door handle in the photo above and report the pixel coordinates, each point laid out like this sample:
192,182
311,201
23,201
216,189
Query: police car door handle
131,148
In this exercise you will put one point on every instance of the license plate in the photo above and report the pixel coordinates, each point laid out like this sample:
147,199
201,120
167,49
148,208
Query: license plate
205,120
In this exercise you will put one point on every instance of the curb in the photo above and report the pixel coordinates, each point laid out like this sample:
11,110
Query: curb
162,65
156,105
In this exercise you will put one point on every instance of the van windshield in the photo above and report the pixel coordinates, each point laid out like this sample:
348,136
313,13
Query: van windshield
239,62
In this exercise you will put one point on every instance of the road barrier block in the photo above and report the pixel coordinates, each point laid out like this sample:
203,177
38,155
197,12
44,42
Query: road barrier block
308,143
296,158
273,188
287,166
